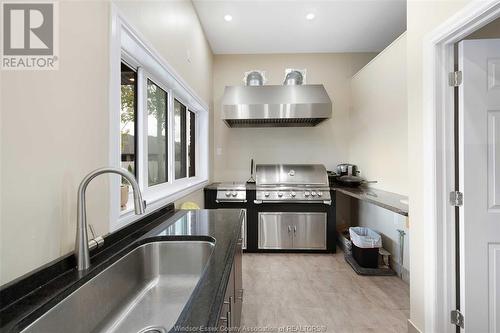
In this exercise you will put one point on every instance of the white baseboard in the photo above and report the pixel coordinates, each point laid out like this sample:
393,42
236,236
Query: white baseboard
412,328
402,272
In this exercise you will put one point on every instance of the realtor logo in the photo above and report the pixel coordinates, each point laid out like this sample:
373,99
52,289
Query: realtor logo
29,36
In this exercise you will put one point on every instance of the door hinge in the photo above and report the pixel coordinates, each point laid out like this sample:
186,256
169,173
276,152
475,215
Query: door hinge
456,198
455,79
457,318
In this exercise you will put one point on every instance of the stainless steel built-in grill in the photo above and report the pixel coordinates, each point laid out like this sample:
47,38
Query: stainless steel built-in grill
292,183
290,208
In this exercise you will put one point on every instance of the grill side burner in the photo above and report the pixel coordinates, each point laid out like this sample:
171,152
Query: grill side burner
231,192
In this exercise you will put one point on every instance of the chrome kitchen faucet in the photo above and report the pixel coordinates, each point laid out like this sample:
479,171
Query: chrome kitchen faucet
82,243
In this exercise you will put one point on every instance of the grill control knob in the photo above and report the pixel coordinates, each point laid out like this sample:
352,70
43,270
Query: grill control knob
280,194
307,193
313,193
293,194
266,194
320,194
228,194
234,194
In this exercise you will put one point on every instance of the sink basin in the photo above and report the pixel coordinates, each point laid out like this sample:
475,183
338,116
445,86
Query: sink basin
145,291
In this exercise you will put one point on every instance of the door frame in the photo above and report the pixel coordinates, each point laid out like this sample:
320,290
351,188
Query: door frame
439,164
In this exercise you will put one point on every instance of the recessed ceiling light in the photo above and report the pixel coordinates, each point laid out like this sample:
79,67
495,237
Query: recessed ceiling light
228,18
310,16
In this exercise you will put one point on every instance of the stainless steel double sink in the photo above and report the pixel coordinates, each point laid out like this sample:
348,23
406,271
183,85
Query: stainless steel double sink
144,291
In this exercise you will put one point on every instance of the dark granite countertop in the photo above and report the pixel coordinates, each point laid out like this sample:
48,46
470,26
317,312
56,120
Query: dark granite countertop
384,199
224,225
202,309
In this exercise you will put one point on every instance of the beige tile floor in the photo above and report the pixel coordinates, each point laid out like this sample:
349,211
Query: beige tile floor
319,291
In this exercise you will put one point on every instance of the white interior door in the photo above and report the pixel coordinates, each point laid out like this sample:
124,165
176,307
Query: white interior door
479,170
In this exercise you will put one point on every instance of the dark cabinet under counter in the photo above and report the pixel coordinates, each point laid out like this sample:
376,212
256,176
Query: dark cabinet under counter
281,226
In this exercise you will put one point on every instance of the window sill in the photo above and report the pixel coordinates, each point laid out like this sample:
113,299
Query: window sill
158,199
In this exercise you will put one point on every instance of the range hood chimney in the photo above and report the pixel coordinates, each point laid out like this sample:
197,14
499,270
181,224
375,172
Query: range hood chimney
293,78
288,105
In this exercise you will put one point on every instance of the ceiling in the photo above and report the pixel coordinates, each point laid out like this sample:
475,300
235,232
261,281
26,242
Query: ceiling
271,26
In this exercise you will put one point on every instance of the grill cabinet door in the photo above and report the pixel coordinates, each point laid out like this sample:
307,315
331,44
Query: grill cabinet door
309,231
275,230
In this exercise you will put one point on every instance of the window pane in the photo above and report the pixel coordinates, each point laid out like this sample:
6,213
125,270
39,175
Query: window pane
128,116
180,139
157,139
191,143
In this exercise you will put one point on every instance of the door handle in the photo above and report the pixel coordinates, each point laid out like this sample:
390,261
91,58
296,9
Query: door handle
289,229
294,229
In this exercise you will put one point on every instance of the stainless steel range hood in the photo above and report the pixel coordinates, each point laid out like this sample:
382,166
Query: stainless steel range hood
275,106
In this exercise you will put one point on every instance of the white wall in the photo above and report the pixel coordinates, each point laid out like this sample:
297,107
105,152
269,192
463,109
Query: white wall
55,126
1,174
379,119
379,145
422,18
326,143
54,131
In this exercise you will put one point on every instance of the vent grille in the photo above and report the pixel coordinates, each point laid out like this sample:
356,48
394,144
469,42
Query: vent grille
277,122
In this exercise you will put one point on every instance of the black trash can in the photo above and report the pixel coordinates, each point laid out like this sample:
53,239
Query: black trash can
365,257
365,246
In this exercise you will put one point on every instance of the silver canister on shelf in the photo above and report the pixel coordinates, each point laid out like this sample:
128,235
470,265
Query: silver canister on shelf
346,169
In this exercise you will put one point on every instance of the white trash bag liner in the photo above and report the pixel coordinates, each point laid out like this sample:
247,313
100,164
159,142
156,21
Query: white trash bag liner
365,238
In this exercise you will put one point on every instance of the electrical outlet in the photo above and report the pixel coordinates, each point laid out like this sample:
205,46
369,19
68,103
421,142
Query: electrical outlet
219,151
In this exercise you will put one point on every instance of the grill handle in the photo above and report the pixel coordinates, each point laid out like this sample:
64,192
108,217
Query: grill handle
325,202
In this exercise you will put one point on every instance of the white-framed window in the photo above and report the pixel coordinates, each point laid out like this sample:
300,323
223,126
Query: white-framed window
158,125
